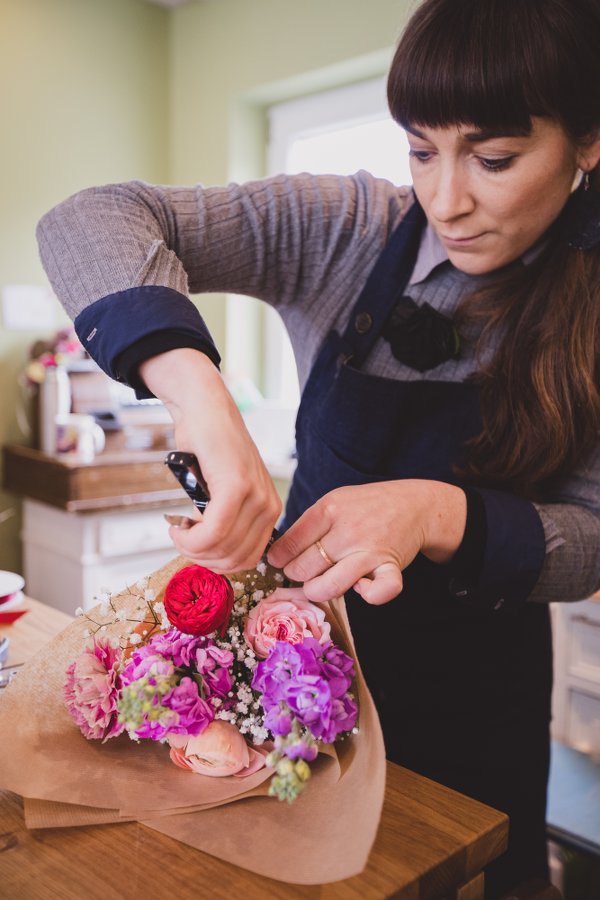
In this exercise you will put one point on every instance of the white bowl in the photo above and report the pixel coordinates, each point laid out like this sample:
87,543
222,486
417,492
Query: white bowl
10,585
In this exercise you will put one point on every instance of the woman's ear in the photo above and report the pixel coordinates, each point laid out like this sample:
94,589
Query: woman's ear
588,158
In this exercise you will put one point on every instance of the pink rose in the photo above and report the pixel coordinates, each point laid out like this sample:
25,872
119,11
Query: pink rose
92,688
220,750
285,615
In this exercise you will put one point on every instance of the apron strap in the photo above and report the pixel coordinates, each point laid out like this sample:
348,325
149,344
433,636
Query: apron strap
385,285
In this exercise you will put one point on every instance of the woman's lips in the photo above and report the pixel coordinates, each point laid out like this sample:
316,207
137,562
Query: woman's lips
461,241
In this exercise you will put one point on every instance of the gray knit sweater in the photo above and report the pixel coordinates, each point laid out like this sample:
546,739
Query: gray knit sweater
304,244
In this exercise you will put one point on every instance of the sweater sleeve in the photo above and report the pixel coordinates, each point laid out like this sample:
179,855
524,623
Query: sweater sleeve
571,568
515,551
123,258
571,520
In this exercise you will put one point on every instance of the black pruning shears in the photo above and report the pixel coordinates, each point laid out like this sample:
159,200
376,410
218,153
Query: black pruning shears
186,469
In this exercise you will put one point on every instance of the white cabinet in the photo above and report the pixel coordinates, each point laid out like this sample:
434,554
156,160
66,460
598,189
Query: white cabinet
69,556
576,697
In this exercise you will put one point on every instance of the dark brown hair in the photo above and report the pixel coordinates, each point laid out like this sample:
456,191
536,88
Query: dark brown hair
496,64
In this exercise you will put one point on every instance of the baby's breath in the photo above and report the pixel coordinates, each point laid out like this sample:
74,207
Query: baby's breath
106,614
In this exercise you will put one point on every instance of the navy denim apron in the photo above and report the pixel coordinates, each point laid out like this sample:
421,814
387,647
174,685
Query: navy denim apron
463,693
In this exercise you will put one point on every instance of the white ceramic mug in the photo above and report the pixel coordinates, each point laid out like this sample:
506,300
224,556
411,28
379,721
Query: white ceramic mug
79,434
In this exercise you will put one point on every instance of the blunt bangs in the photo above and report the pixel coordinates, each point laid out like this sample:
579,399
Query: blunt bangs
494,64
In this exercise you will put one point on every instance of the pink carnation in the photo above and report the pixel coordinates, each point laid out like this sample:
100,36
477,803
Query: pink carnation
287,616
92,688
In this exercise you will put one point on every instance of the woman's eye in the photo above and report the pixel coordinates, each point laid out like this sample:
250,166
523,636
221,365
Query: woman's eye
420,155
497,164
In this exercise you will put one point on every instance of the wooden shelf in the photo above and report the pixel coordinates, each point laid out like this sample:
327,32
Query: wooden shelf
113,480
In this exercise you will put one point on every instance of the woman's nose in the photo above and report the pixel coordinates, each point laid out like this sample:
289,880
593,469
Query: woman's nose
451,196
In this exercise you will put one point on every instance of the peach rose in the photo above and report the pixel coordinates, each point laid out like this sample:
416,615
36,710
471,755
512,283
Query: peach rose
287,616
219,750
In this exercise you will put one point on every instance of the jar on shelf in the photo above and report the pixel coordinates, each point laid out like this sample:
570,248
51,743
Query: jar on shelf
54,400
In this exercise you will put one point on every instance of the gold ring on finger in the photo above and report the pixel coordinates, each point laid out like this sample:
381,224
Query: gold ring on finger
324,553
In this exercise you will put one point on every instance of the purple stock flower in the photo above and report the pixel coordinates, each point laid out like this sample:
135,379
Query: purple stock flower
153,707
279,720
308,682
213,664
218,682
344,713
193,713
301,749
338,668
315,648
187,651
142,662
309,699
222,657
174,650
283,662
175,646
210,657
155,729
338,658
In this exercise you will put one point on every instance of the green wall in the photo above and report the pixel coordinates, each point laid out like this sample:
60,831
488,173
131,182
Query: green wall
230,59
103,90
83,100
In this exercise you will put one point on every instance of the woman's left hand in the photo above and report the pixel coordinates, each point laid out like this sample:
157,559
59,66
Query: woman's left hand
364,536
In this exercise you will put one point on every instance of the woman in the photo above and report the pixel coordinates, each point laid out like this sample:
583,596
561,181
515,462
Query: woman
447,473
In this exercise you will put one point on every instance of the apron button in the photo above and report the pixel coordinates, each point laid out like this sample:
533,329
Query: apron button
363,322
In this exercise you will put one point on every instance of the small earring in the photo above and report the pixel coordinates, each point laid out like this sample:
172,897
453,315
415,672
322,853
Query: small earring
581,216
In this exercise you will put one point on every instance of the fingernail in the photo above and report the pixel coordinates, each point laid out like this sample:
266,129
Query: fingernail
183,522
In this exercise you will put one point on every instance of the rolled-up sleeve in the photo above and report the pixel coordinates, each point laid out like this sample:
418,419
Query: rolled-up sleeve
123,258
502,553
516,551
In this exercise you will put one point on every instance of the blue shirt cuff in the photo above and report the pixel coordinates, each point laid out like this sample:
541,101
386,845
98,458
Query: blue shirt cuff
515,549
113,324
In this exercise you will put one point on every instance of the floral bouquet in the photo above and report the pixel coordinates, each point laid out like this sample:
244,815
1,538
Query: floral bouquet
232,678
210,677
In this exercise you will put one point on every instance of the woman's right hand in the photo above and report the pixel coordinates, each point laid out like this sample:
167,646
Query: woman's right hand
244,507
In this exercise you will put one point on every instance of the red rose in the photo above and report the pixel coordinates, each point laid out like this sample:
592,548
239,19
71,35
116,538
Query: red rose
198,601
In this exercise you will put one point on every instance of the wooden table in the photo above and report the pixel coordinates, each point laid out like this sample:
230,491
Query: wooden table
432,842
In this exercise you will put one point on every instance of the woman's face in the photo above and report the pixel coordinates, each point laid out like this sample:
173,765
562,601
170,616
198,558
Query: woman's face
490,196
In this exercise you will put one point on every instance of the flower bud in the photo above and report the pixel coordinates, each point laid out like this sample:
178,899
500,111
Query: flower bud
285,767
302,770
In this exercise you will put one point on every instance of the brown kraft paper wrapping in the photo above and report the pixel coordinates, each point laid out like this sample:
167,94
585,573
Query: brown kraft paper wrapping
325,835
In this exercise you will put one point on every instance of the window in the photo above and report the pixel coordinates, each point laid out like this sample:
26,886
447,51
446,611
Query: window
338,131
